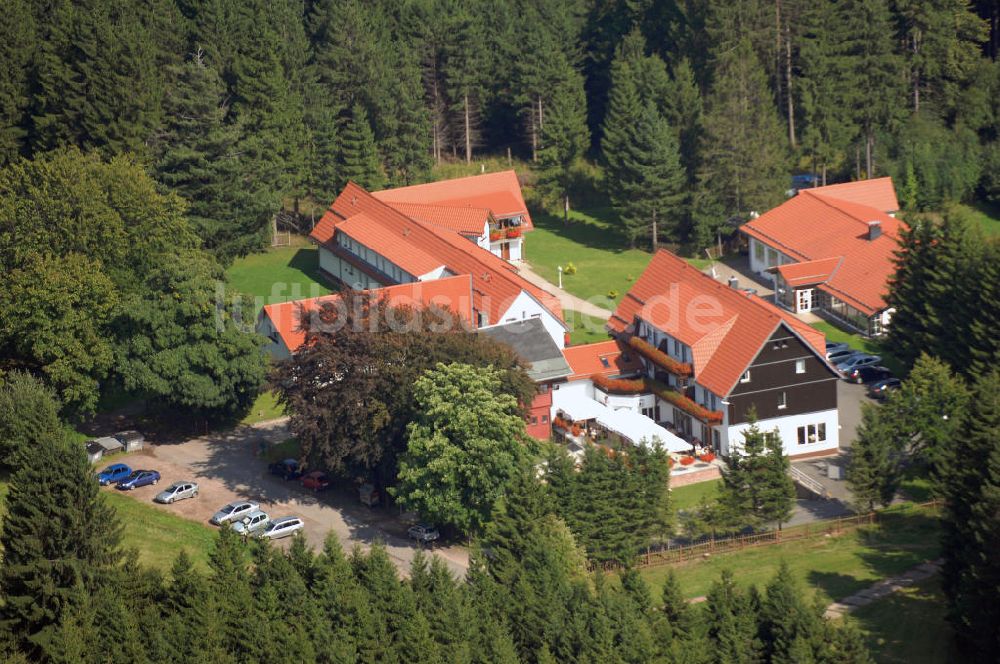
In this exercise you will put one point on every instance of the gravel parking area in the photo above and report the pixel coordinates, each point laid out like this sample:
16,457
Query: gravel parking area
228,467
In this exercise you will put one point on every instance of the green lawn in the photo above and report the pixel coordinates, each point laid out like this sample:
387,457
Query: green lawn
265,408
278,275
686,497
833,567
909,626
585,329
984,214
157,534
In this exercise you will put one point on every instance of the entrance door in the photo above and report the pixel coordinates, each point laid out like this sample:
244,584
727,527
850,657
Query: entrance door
805,300
505,251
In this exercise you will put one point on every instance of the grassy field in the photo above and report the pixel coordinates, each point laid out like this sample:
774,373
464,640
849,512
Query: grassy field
689,496
909,626
585,329
278,275
265,408
986,215
158,535
833,567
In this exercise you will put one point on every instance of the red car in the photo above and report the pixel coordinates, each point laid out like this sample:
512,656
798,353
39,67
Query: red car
317,480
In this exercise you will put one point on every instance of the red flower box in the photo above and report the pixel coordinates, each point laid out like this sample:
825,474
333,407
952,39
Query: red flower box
496,235
687,460
618,385
514,232
660,358
708,457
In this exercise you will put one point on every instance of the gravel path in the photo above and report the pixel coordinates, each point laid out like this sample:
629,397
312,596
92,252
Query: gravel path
568,300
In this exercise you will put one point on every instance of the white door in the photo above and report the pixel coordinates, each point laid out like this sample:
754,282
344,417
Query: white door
805,300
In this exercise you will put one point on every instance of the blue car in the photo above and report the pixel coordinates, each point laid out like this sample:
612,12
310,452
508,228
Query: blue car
113,474
139,478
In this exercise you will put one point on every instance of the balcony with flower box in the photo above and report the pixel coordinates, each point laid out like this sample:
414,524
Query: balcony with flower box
665,392
660,359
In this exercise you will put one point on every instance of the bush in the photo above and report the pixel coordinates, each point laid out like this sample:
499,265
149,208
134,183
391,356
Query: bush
612,294
570,268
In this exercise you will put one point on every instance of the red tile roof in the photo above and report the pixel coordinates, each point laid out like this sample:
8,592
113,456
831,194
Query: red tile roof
812,227
495,282
589,359
878,193
454,293
390,243
464,220
809,273
498,192
724,327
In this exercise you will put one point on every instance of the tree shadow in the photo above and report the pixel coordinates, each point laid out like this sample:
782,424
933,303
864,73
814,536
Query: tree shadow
306,261
585,231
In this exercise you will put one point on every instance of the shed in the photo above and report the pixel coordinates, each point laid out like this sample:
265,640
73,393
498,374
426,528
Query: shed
132,440
94,452
108,444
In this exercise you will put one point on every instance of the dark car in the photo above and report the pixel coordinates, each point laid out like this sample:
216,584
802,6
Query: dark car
838,356
286,469
871,374
317,480
834,346
845,367
139,478
882,388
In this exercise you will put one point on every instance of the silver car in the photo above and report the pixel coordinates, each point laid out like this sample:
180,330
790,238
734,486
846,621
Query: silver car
234,511
282,527
177,491
251,523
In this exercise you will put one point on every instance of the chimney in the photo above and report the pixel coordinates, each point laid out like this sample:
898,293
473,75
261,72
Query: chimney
734,283
874,230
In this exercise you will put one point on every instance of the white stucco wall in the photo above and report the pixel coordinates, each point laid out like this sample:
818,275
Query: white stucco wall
772,257
788,430
345,272
276,349
524,307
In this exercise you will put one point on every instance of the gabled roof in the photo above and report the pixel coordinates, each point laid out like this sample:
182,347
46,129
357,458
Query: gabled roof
464,220
534,346
453,293
724,327
391,243
495,282
877,193
809,273
608,358
814,228
498,192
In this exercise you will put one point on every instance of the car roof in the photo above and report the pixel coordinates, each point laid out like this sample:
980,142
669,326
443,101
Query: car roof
256,512
284,519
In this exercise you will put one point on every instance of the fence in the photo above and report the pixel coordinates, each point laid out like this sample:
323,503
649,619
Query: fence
671,555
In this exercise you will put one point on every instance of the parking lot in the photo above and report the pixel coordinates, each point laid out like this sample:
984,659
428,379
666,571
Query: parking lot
228,467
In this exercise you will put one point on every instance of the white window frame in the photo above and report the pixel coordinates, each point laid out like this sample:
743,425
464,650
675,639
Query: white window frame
782,400
745,378
800,366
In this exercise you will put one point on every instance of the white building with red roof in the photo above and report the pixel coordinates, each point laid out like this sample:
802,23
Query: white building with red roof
710,355
831,249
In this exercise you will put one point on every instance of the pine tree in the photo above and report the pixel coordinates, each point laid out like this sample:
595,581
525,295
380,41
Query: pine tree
742,165
756,488
230,590
875,471
624,110
652,186
463,70
60,542
731,619
359,161
777,490
198,156
565,137
683,110
791,630
29,414
676,611
17,25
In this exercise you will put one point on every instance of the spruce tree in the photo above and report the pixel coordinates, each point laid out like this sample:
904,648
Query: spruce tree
624,110
653,186
464,70
359,160
777,489
875,469
790,628
565,138
60,540
742,165
29,414
731,620
756,488
17,25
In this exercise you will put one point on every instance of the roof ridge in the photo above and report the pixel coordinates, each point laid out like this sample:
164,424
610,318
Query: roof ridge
832,201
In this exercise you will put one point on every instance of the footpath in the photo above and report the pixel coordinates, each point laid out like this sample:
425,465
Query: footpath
568,300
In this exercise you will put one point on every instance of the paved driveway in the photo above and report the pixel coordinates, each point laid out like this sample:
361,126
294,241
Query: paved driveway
227,467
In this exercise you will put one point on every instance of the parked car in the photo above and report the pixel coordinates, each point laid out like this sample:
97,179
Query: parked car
177,491
282,527
423,533
234,511
833,347
838,356
113,474
286,469
138,478
868,374
251,523
860,360
317,480
882,388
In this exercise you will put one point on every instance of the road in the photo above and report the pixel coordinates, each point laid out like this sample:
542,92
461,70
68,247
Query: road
227,467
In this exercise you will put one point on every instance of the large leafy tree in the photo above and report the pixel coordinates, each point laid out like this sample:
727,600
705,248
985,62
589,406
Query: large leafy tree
61,542
179,344
29,413
463,448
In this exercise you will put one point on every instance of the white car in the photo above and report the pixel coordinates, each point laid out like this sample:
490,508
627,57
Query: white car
234,511
283,527
251,523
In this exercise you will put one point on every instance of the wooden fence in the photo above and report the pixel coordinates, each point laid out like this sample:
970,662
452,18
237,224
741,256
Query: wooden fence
670,555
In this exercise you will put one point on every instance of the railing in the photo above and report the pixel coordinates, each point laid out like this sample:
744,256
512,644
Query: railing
671,555
809,483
